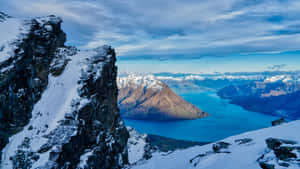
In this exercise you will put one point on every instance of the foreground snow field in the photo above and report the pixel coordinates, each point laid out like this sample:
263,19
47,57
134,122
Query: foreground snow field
245,151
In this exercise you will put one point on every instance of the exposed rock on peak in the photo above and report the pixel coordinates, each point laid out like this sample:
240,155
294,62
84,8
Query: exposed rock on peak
58,105
3,16
149,99
135,81
24,64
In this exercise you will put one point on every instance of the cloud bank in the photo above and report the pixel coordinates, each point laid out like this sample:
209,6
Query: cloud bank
173,28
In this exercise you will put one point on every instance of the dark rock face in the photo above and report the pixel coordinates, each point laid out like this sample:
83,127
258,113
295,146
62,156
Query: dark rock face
243,141
165,144
278,122
274,143
90,132
284,151
220,146
3,16
103,132
266,166
21,86
61,60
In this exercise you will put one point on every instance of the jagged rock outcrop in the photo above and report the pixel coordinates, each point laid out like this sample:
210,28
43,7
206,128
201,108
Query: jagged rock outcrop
146,98
59,103
3,16
281,152
24,74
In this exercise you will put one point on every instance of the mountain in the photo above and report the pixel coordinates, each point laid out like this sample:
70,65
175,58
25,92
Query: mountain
270,148
146,98
183,83
58,105
273,96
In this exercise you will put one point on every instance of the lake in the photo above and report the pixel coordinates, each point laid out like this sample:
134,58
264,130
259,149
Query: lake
225,120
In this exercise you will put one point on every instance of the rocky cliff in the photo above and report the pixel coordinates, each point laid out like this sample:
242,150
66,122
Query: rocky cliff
25,61
146,98
58,105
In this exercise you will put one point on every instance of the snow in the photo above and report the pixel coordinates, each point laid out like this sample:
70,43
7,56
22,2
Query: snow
242,156
168,78
55,103
84,158
136,145
211,77
146,81
258,76
11,30
283,78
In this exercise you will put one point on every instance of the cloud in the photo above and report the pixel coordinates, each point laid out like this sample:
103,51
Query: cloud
277,67
173,28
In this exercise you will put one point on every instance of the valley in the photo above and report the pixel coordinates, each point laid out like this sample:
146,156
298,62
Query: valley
225,118
147,98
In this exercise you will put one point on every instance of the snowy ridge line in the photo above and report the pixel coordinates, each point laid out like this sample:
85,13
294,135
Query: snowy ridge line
135,81
13,31
262,76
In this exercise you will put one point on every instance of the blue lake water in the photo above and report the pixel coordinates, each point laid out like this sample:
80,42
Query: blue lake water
225,120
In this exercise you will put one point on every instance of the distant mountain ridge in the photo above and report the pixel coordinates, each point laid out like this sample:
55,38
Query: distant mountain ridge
275,98
146,98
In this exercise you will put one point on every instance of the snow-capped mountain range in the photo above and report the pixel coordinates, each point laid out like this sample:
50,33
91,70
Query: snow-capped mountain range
258,76
133,80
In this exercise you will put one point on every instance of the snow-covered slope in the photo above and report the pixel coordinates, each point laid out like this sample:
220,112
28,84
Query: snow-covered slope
138,146
147,81
58,105
11,31
275,147
282,78
55,103
59,102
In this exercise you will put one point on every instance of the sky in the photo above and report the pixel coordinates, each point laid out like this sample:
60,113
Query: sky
233,63
180,29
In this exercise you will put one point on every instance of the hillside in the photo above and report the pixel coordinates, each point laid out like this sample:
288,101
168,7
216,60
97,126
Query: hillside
270,148
146,98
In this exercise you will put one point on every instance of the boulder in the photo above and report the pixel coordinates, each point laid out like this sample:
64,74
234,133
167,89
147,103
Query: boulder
217,147
278,122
